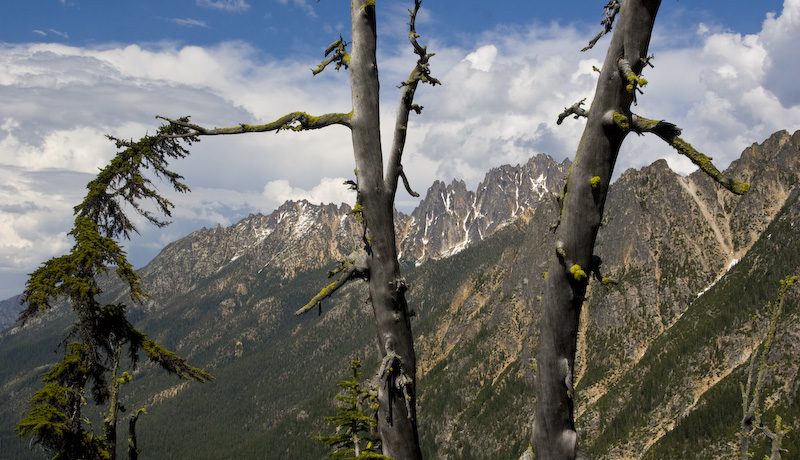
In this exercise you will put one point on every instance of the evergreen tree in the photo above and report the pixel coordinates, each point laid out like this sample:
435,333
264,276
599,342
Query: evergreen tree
353,438
100,331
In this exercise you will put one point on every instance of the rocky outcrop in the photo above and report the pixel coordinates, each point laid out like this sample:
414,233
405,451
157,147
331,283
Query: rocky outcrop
450,218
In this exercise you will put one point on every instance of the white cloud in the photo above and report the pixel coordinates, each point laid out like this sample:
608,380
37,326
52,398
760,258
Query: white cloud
498,102
501,93
329,190
35,214
59,33
188,22
482,58
227,5
59,101
779,38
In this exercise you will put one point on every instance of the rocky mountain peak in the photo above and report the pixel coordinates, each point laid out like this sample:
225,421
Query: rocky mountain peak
450,218
300,235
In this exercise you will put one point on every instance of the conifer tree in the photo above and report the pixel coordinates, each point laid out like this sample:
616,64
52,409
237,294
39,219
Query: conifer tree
100,331
354,437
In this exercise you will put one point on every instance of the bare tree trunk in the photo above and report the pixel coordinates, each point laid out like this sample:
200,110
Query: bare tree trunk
377,262
133,446
554,435
110,422
397,412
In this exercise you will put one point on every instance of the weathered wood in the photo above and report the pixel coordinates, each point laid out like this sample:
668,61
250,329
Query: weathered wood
554,435
396,414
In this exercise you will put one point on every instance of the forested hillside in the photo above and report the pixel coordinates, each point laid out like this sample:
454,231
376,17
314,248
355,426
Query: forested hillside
661,352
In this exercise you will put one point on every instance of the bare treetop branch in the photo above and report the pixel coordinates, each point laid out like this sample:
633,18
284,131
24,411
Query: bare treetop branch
609,14
339,56
420,73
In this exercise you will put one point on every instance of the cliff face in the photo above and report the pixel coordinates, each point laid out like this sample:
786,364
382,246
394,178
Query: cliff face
450,218
669,240
658,351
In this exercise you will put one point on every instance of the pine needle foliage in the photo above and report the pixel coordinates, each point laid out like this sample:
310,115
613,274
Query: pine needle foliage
100,331
353,438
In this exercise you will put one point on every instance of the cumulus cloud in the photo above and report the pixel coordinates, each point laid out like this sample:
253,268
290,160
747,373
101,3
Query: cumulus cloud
482,58
60,101
499,100
35,216
502,91
779,39
329,190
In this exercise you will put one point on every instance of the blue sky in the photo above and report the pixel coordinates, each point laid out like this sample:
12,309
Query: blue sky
261,23
74,70
280,27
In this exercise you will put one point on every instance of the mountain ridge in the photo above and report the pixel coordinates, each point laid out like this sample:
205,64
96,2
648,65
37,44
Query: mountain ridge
224,297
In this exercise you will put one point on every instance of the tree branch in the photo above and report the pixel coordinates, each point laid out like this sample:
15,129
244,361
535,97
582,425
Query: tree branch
574,109
751,397
295,121
609,14
405,183
421,73
634,80
339,56
356,265
670,134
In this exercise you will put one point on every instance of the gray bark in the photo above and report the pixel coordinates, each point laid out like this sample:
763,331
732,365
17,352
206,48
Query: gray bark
554,435
397,411
377,262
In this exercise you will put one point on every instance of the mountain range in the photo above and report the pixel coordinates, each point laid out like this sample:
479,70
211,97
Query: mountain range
661,352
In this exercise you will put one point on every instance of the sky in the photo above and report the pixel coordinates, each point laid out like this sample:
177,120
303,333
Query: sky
72,71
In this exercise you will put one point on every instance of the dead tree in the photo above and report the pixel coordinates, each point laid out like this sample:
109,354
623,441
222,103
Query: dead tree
756,377
609,121
377,260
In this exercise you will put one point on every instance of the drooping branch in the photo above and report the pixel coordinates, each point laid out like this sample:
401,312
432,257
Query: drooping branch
574,109
609,14
123,179
406,184
339,56
356,265
671,135
420,73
